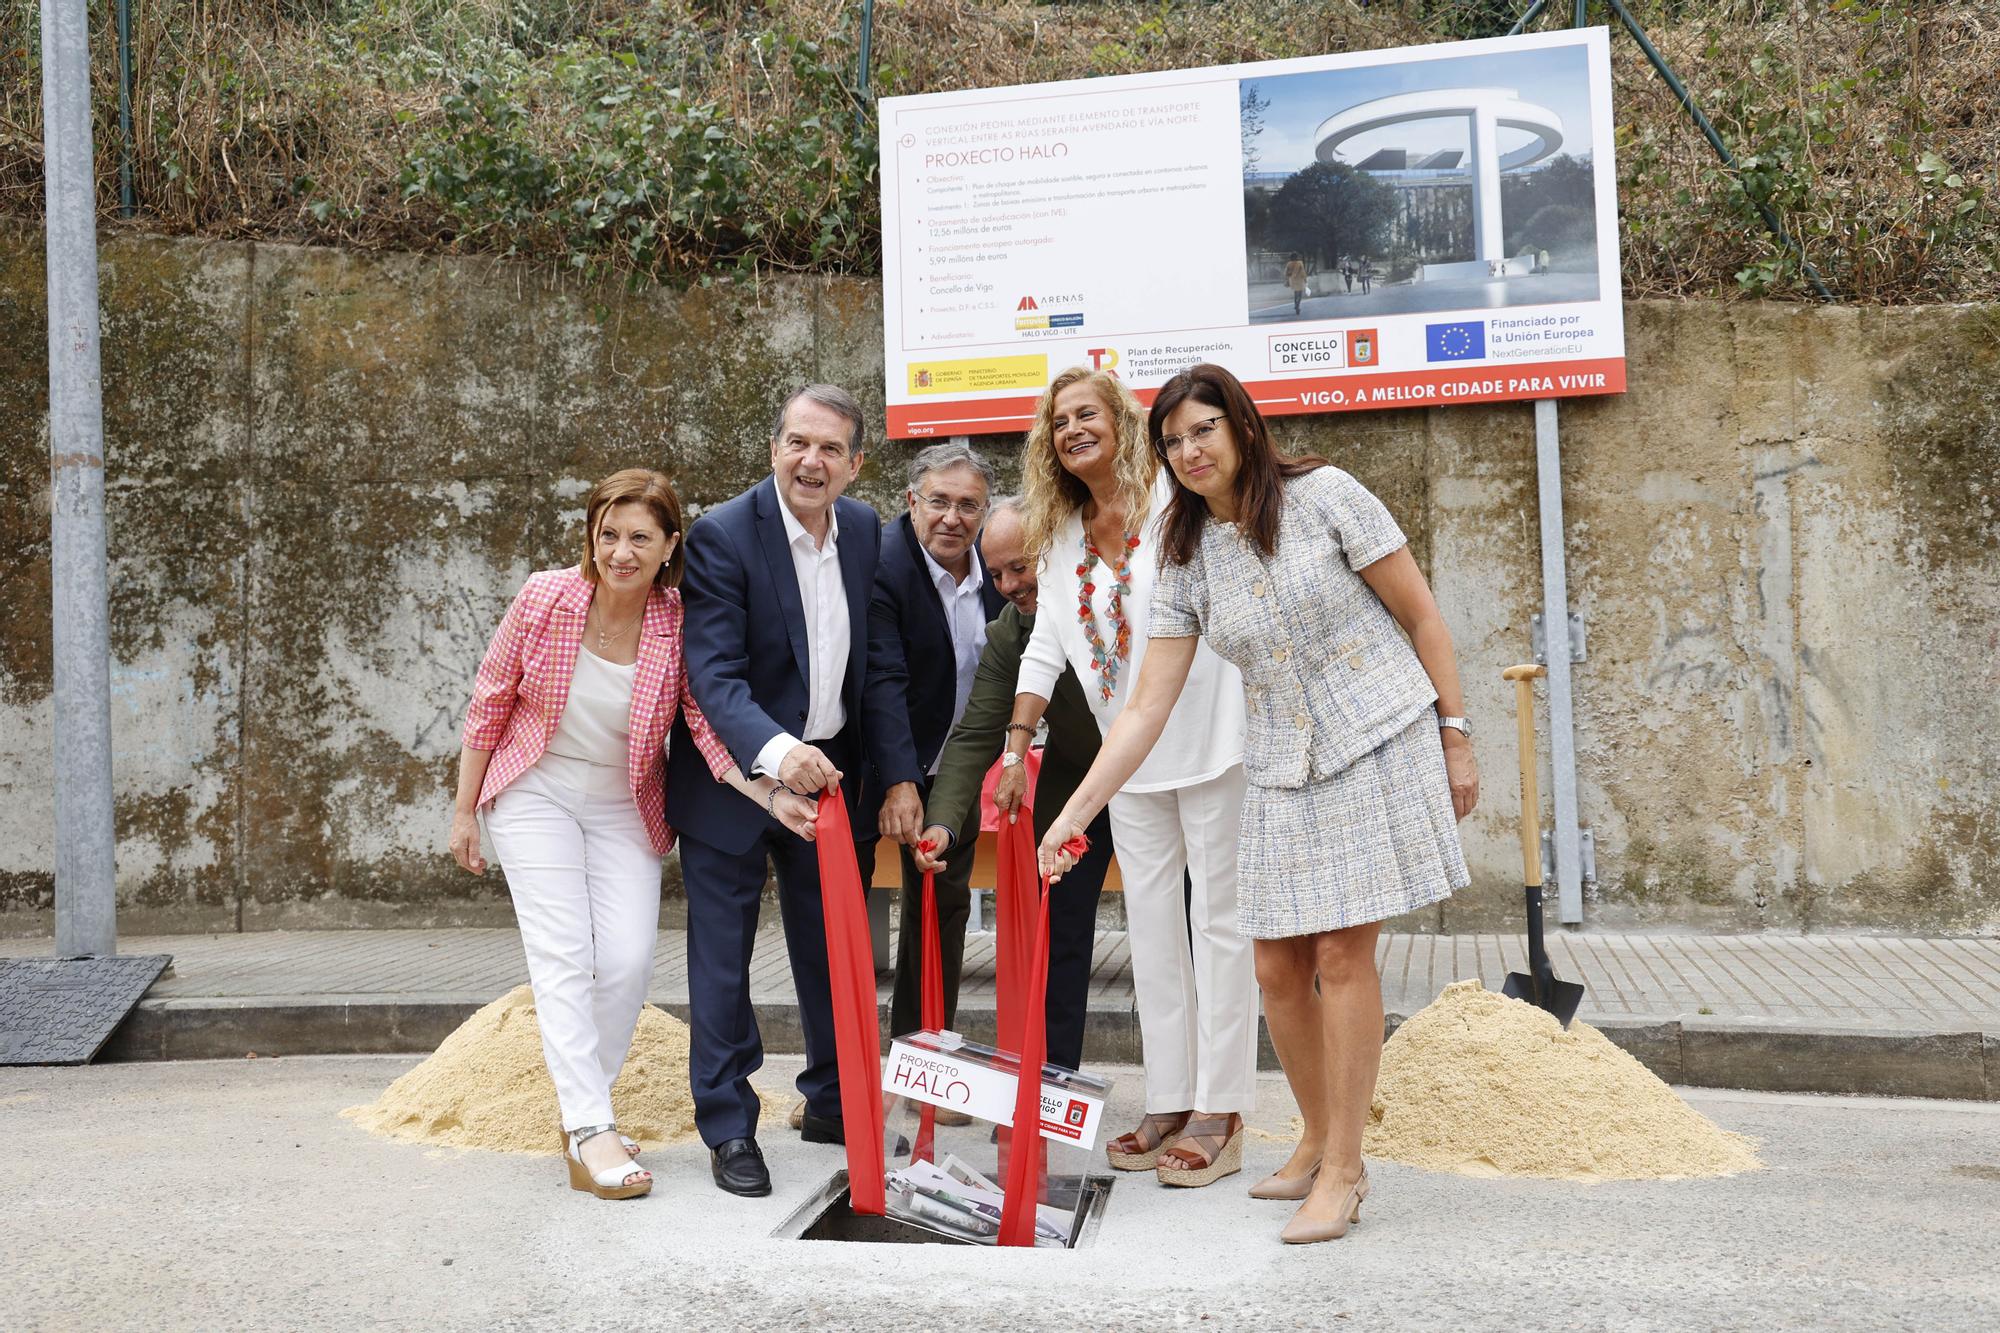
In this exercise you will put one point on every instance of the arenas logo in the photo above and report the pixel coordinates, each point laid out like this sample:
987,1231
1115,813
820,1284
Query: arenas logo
1028,312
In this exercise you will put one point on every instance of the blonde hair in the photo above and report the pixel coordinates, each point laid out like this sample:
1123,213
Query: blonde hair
1050,493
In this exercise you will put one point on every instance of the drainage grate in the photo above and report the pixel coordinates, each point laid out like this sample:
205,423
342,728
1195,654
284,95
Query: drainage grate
827,1216
60,1011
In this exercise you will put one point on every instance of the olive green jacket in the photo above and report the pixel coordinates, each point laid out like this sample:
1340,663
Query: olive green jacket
981,732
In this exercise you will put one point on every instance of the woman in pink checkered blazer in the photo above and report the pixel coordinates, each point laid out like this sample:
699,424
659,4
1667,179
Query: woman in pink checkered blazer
564,753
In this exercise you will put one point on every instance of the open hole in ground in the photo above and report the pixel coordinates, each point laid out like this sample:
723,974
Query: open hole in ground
827,1215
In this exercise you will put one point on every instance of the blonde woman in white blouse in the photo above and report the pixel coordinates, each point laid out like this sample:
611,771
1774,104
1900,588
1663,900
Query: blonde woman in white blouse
1094,494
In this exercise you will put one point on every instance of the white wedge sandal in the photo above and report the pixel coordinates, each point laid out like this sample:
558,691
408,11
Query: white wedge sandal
626,1181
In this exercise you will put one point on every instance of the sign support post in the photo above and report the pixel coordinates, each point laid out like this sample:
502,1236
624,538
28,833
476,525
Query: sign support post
1556,635
86,888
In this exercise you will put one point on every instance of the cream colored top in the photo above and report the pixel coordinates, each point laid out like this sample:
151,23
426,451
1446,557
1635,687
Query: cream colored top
593,737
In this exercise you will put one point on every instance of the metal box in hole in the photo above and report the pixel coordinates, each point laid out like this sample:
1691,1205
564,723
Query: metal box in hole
949,1137
827,1216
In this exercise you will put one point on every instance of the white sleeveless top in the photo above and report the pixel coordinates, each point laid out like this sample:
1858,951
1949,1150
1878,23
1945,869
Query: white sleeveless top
590,746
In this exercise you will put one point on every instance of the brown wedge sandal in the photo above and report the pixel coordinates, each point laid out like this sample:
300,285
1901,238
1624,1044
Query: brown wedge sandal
1207,1150
1140,1150
630,1181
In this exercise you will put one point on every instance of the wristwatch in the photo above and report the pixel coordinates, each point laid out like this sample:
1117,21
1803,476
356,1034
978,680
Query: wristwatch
1008,759
1457,724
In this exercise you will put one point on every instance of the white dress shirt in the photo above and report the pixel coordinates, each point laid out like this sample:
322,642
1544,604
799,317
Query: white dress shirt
965,617
828,634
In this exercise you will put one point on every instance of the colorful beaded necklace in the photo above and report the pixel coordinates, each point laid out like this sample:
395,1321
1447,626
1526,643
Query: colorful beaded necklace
1106,659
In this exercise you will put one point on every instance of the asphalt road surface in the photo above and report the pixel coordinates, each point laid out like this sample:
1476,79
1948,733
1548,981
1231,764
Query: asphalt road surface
229,1195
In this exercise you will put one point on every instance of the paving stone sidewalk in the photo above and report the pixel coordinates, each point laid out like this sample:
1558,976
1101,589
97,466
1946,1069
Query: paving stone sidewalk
1833,1013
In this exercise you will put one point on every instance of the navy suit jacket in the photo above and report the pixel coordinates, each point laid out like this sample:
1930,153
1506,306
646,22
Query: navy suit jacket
910,647
745,630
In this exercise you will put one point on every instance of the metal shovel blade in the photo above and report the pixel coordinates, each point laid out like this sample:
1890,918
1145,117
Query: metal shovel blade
1560,998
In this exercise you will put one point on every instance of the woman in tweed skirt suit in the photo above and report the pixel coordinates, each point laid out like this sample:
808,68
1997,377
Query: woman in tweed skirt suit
1295,573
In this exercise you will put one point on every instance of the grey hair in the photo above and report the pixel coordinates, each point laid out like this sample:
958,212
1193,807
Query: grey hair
951,453
826,395
1005,502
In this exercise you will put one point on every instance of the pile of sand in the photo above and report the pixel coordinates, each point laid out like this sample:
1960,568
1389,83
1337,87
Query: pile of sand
487,1087
1485,1085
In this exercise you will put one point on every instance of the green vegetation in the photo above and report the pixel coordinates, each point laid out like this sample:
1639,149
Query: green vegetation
677,139
1325,212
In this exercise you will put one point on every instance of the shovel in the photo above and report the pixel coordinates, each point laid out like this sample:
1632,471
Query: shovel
1538,985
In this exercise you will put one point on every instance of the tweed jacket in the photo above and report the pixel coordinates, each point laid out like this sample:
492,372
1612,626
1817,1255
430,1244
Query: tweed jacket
523,683
1327,674
981,732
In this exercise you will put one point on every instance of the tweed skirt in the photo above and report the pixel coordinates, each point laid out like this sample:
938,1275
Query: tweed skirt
1373,841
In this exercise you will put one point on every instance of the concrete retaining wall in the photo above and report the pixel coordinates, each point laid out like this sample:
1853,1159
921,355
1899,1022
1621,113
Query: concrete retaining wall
328,472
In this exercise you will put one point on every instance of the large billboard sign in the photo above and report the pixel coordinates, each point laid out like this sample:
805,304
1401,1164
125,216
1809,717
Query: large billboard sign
1405,228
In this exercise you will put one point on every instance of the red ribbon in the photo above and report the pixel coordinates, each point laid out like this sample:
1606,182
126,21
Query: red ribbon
850,962
1024,944
930,1007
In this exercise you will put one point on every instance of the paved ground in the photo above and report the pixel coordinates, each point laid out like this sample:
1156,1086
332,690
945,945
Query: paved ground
1849,981
228,1195
1445,294
1828,1013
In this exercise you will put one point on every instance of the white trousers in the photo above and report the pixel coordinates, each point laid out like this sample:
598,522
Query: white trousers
1197,1011
586,887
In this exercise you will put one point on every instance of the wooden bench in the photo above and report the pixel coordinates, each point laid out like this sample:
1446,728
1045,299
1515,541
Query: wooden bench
985,866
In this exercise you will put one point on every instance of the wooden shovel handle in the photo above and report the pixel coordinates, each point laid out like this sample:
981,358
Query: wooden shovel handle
1523,677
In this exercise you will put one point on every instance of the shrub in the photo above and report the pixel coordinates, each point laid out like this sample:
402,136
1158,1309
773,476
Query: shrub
674,139
1556,227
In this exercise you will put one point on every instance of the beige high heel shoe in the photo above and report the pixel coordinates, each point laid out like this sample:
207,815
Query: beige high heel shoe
1275,1186
1299,1231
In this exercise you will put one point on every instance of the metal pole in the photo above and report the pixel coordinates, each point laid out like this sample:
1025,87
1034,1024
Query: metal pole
1764,210
1555,634
867,36
1578,21
86,891
128,199
1520,24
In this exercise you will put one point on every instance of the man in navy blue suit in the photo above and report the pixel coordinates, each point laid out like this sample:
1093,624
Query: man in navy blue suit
776,588
933,599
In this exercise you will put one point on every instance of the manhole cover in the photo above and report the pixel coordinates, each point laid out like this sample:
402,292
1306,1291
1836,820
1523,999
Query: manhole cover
59,1011
827,1216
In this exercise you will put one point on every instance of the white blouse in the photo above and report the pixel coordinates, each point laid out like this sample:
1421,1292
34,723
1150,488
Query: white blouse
1204,734
589,749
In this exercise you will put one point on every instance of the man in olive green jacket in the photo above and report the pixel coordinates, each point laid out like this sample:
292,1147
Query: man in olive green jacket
952,812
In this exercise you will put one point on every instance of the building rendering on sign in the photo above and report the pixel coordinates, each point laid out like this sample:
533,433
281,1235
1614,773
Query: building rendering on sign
1422,202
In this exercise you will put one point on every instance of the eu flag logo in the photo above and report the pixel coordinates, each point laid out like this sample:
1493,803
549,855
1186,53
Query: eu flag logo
1463,341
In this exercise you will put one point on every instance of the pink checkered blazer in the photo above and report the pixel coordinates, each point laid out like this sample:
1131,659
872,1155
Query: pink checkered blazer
523,683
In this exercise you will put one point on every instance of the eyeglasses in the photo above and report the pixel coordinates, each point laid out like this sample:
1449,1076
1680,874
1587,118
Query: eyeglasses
1202,432
939,506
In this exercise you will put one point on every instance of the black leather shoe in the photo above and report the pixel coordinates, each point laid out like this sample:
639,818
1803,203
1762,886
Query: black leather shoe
738,1166
822,1128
